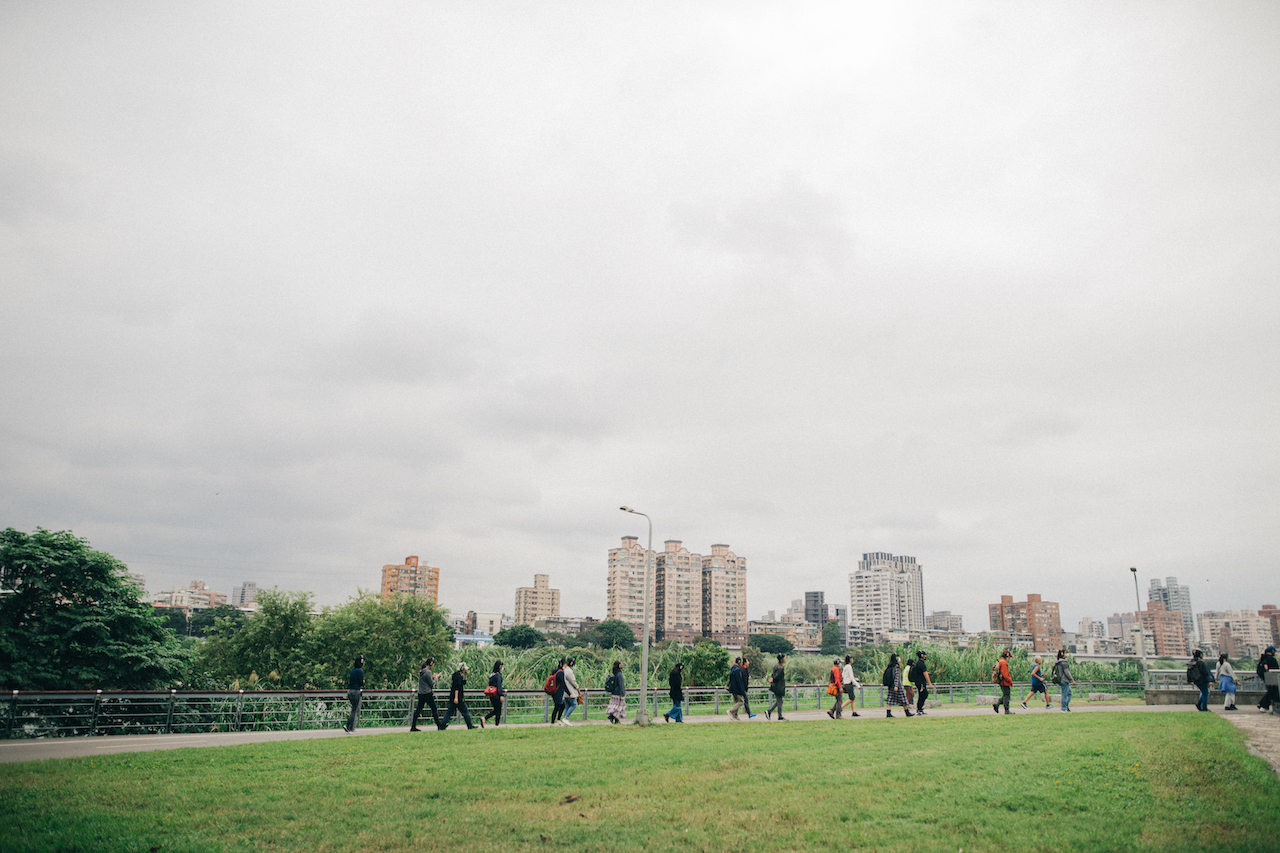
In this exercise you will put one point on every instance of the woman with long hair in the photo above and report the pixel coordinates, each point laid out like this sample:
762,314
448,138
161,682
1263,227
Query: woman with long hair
557,698
617,694
495,694
895,694
1227,683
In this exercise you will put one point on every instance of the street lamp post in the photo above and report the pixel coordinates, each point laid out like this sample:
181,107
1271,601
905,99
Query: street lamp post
642,715
1142,634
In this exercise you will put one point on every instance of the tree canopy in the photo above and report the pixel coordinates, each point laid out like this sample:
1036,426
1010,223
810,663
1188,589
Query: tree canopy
74,621
832,638
519,637
772,643
611,634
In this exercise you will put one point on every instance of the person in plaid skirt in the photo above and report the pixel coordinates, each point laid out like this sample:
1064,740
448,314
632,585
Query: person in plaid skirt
895,695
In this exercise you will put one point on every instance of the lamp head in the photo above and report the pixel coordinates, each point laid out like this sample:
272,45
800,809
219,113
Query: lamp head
1133,569
626,509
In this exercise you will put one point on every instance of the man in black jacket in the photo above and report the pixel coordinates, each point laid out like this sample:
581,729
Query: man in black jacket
1200,678
457,700
1267,663
426,695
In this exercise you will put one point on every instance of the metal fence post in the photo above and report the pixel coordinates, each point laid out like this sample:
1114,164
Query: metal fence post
168,722
655,704
13,712
546,708
795,699
93,720
239,710
302,708
717,698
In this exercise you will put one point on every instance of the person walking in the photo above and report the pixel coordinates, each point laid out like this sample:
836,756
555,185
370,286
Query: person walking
778,687
835,687
1062,677
426,695
617,689
1267,663
1198,674
895,695
676,682
1005,680
738,688
1037,684
495,694
746,688
849,684
918,672
355,692
1226,675
457,697
557,698
571,692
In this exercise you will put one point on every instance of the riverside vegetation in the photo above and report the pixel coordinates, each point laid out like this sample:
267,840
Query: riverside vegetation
1090,782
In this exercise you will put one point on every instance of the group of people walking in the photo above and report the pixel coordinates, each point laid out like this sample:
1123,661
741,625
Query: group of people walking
1227,681
1061,677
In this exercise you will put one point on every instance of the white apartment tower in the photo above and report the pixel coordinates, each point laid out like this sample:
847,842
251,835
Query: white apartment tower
677,593
626,583
724,596
886,593
536,601
694,595
1176,598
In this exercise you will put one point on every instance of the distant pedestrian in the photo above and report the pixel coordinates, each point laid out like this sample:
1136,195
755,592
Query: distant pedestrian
778,687
617,688
355,691
835,687
1062,677
738,688
1267,663
458,698
557,698
849,684
495,694
571,692
1198,674
676,682
746,687
895,695
920,677
1227,683
1005,680
426,695
1037,684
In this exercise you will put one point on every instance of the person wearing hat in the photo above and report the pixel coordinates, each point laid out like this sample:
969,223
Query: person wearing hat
1005,680
919,675
1267,663
355,690
458,700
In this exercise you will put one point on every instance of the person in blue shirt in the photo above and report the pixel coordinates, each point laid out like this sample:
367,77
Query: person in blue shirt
355,690
1037,685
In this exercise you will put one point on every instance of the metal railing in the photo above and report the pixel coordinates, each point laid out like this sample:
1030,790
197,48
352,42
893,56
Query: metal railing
1176,679
75,714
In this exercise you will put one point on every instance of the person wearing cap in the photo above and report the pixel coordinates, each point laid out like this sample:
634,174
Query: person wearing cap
778,687
1037,684
1267,663
1062,677
849,683
1005,680
458,699
919,675
835,686
355,690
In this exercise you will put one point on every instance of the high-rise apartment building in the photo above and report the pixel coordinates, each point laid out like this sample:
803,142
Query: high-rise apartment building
1271,612
944,620
677,593
1176,599
1090,627
411,578
814,609
1166,629
886,593
533,602
1035,616
724,596
1234,630
625,593
243,595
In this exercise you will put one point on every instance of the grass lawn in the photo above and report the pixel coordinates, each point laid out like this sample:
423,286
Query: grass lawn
1050,782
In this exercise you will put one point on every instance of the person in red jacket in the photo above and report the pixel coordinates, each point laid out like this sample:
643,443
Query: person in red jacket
1006,683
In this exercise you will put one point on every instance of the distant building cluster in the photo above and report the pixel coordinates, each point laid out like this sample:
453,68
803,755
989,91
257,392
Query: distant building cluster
411,578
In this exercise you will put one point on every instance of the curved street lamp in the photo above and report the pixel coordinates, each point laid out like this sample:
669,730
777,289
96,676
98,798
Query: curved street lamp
1142,634
642,715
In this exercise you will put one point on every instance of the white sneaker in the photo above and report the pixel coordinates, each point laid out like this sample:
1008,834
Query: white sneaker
565,723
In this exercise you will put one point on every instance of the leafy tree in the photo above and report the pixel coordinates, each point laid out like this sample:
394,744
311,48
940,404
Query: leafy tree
832,638
73,621
759,662
173,618
614,634
773,644
394,635
706,664
268,645
519,637
202,621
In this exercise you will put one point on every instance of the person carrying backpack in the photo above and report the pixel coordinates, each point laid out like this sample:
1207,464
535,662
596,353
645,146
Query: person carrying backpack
1062,677
778,687
617,694
1267,663
895,695
919,675
1198,674
1002,677
556,682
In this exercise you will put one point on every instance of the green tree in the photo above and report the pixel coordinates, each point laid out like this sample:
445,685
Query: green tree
832,638
394,635
269,645
73,621
614,634
519,637
202,621
173,618
772,644
706,664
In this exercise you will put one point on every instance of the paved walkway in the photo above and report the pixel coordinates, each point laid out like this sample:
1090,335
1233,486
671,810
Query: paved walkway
79,747
1261,730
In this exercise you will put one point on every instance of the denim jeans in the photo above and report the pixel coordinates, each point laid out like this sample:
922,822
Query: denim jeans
1066,695
1203,702
675,713
569,704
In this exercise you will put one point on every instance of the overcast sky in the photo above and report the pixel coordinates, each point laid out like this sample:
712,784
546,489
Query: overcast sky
291,291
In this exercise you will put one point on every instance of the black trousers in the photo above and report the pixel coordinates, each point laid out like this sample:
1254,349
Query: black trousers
425,699
462,708
922,693
496,713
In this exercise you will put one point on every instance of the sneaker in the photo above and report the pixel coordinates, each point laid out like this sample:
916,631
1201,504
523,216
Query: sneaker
996,707
752,716
782,719
666,717
919,713
442,727
566,723
1024,707
768,715
415,729
831,714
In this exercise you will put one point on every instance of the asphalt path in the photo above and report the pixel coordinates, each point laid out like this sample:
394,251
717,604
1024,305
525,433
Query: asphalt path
45,749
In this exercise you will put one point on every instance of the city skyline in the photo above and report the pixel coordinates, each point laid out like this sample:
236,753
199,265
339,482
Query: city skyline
293,295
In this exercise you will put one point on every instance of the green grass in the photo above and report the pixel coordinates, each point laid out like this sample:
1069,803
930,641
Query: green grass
1168,782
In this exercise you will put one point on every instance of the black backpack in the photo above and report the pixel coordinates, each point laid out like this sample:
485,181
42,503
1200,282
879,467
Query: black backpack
1193,673
887,678
916,672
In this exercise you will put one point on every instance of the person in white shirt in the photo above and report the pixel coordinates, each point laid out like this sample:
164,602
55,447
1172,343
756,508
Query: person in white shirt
571,692
849,682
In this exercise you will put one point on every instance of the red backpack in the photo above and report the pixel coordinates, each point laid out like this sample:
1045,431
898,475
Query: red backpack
550,686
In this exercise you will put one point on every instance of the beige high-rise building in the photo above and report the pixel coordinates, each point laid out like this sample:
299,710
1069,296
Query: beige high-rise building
724,596
411,579
626,583
677,593
536,601
1234,629
1035,616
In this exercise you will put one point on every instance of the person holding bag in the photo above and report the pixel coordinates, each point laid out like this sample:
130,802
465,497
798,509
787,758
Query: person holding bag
834,683
495,694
